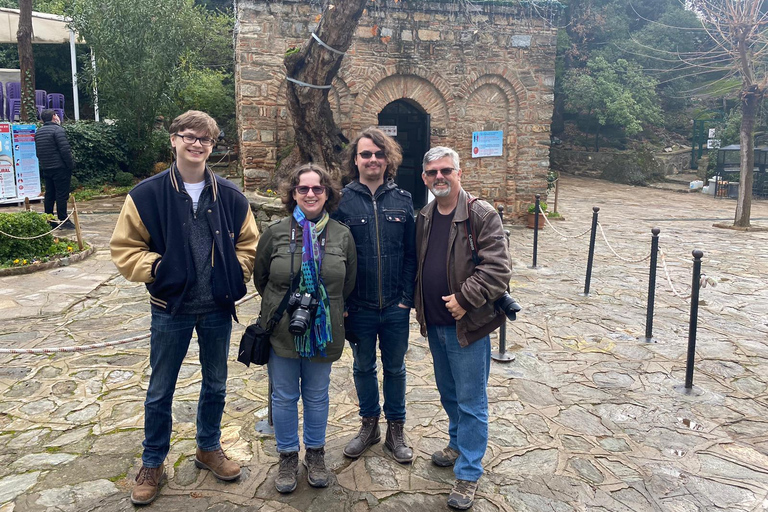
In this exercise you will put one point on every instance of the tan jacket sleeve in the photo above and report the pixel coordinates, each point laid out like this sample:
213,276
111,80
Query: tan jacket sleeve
129,245
246,244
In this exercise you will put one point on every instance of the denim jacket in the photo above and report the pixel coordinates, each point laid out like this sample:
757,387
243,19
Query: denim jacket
384,230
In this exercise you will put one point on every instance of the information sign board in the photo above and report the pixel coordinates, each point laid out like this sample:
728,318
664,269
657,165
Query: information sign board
487,144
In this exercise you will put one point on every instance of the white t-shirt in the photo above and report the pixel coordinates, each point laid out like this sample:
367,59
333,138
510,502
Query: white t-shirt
194,190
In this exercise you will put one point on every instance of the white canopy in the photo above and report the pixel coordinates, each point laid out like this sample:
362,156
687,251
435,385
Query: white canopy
46,29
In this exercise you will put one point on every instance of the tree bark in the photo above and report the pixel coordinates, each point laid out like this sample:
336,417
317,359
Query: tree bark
750,103
27,111
317,137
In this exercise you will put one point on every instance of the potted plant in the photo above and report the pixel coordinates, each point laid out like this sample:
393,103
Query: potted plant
532,215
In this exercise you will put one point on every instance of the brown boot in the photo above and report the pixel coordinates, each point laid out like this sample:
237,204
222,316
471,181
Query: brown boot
368,435
147,485
317,473
217,463
397,442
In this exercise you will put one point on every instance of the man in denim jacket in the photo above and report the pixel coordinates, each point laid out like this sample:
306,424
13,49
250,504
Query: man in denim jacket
380,216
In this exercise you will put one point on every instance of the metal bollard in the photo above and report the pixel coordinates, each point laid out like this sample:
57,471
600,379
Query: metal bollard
695,284
269,404
652,285
536,231
590,259
502,356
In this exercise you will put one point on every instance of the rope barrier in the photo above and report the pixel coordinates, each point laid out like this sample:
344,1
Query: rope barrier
669,277
559,232
38,236
615,253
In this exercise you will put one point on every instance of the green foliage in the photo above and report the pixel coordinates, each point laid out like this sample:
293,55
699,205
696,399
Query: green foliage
88,193
148,151
542,205
98,150
124,179
24,224
616,94
211,91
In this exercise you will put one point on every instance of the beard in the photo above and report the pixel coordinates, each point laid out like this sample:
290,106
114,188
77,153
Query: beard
443,192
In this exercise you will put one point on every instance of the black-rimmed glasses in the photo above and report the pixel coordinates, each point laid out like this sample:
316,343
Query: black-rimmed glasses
191,139
304,190
380,155
446,171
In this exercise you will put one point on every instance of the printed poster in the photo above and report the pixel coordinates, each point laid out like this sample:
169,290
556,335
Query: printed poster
7,179
487,144
25,161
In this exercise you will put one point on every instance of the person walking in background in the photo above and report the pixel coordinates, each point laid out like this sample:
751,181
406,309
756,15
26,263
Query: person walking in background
191,237
380,216
455,308
312,255
55,159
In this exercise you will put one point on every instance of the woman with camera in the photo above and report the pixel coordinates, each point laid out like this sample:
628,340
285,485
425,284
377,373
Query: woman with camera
308,262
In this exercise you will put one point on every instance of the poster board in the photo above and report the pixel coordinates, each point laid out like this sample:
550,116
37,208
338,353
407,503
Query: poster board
25,161
7,176
487,144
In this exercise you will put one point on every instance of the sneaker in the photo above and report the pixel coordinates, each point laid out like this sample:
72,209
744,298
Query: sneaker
53,223
147,485
286,476
397,442
445,457
217,462
369,434
67,224
317,474
462,494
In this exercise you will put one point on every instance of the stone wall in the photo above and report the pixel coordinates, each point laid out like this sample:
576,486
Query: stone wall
492,69
633,167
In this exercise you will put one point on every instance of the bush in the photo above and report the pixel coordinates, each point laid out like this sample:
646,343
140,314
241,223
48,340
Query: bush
124,179
146,152
24,224
98,150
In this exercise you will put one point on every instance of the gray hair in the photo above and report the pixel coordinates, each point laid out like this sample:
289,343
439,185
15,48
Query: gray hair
437,153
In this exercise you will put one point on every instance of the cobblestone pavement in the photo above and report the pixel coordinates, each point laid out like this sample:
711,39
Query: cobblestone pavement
589,416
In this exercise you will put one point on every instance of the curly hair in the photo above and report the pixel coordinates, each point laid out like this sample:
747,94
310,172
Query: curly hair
332,189
389,145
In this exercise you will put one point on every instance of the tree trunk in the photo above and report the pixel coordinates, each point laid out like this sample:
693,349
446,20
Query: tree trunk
750,103
27,111
317,137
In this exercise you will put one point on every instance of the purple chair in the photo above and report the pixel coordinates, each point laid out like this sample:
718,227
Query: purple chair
12,92
41,101
14,109
56,102
2,102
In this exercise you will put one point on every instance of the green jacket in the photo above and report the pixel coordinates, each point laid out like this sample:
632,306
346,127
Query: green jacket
272,271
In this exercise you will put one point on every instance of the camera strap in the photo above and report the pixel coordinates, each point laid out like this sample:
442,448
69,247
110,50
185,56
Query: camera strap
471,232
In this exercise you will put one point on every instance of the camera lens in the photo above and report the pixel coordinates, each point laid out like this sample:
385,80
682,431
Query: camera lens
508,306
299,322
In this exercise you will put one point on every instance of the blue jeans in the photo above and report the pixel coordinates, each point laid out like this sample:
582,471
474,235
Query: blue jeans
462,379
168,347
391,325
292,378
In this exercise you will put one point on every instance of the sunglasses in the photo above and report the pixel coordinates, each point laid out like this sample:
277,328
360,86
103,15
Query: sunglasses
445,172
380,155
304,190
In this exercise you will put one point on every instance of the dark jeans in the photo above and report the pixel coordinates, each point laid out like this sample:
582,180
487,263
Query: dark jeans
57,190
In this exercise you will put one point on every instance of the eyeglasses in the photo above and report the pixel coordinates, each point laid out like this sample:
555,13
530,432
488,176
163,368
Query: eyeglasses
191,139
380,155
445,172
304,190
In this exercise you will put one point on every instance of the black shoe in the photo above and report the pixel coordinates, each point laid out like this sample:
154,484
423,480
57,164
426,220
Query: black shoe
67,224
286,476
317,474
53,223
462,495
369,434
397,442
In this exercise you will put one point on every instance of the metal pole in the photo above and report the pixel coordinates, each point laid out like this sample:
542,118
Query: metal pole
269,403
695,283
536,231
652,284
95,88
502,356
73,61
595,210
557,189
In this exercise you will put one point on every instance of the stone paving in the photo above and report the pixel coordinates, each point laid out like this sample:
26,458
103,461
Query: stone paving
589,416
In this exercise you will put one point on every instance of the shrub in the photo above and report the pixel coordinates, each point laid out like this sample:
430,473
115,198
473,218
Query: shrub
98,150
124,179
542,205
146,152
24,224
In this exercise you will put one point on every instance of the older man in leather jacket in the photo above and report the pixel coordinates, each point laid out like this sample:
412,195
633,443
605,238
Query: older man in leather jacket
380,216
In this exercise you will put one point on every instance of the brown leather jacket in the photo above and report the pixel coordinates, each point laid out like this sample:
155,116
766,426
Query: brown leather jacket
476,287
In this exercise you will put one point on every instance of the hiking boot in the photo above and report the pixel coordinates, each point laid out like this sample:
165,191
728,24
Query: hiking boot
368,435
67,224
217,462
286,475
462,495
397,442
317,474
445,457
147,485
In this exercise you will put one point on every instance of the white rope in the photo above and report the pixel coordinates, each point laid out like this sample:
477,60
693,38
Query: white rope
334,50
305,84
559,232
614,252
669,278
38,236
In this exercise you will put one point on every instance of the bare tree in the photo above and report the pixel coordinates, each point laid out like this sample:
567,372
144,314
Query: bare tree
738,29
26,61
317,138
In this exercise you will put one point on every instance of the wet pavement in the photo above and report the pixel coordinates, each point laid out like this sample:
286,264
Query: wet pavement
589,416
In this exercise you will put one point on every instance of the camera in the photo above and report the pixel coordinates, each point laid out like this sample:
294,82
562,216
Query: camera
302,308
507,305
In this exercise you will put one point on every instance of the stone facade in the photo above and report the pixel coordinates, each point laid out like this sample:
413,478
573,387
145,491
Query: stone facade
632,167
488,69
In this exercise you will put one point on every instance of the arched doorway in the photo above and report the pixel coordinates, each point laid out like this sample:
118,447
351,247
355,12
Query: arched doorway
413,131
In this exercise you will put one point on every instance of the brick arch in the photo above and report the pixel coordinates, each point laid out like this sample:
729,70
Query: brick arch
341,100
505,80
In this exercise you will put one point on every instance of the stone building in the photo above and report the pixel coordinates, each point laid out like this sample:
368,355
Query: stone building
439,71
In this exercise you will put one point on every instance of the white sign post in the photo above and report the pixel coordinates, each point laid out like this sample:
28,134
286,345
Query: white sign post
487,144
